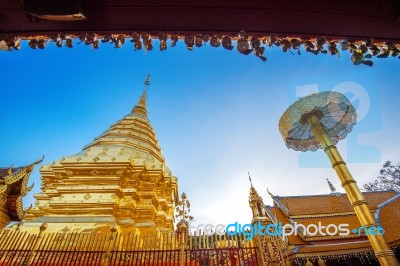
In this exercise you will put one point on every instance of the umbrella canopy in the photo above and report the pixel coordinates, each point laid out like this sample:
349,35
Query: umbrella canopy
335,112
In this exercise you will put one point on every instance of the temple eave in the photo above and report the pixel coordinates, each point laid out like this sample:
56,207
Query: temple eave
14,186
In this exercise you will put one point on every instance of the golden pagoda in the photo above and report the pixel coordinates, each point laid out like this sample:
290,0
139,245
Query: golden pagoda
121,179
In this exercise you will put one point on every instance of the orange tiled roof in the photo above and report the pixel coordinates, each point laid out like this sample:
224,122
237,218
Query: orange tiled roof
281,217
351,220
329,204
332,209
389,217
300,239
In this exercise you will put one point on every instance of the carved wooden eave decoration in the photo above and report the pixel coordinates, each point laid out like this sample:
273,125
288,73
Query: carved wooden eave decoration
362,50
13,188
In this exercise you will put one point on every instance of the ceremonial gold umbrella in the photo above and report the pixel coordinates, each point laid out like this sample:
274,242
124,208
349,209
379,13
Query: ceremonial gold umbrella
319,121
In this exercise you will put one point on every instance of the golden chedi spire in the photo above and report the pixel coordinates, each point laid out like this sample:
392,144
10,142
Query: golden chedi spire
141,107
120,177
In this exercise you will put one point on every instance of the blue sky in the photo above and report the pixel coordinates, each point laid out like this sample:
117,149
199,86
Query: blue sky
215,113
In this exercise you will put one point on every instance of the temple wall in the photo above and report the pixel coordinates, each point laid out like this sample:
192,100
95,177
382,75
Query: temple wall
115,248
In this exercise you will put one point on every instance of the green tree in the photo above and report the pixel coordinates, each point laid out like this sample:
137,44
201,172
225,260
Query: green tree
389,178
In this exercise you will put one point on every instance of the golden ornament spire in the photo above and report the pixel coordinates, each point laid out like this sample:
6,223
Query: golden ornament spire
251,183
256,202
9,171
141,107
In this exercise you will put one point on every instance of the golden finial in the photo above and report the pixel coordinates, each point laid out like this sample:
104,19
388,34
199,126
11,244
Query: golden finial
251,183
43,226
39,161
332,188
32,165
147,81
9,171
183,217
113,228
141,105
272,195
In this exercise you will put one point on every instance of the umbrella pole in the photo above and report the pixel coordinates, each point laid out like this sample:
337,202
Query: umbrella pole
378,242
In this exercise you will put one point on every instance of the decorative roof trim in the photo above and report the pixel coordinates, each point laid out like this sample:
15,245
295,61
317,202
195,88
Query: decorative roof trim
16,176
3,189
272,216
334,237
24,190
322,215
281,206
362,50
341,194
22,174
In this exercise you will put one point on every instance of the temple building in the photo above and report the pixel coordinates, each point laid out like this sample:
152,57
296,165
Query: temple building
335,208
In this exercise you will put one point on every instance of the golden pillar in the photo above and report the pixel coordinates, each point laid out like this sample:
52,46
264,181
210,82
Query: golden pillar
111,244
320,121
382,250
181,234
